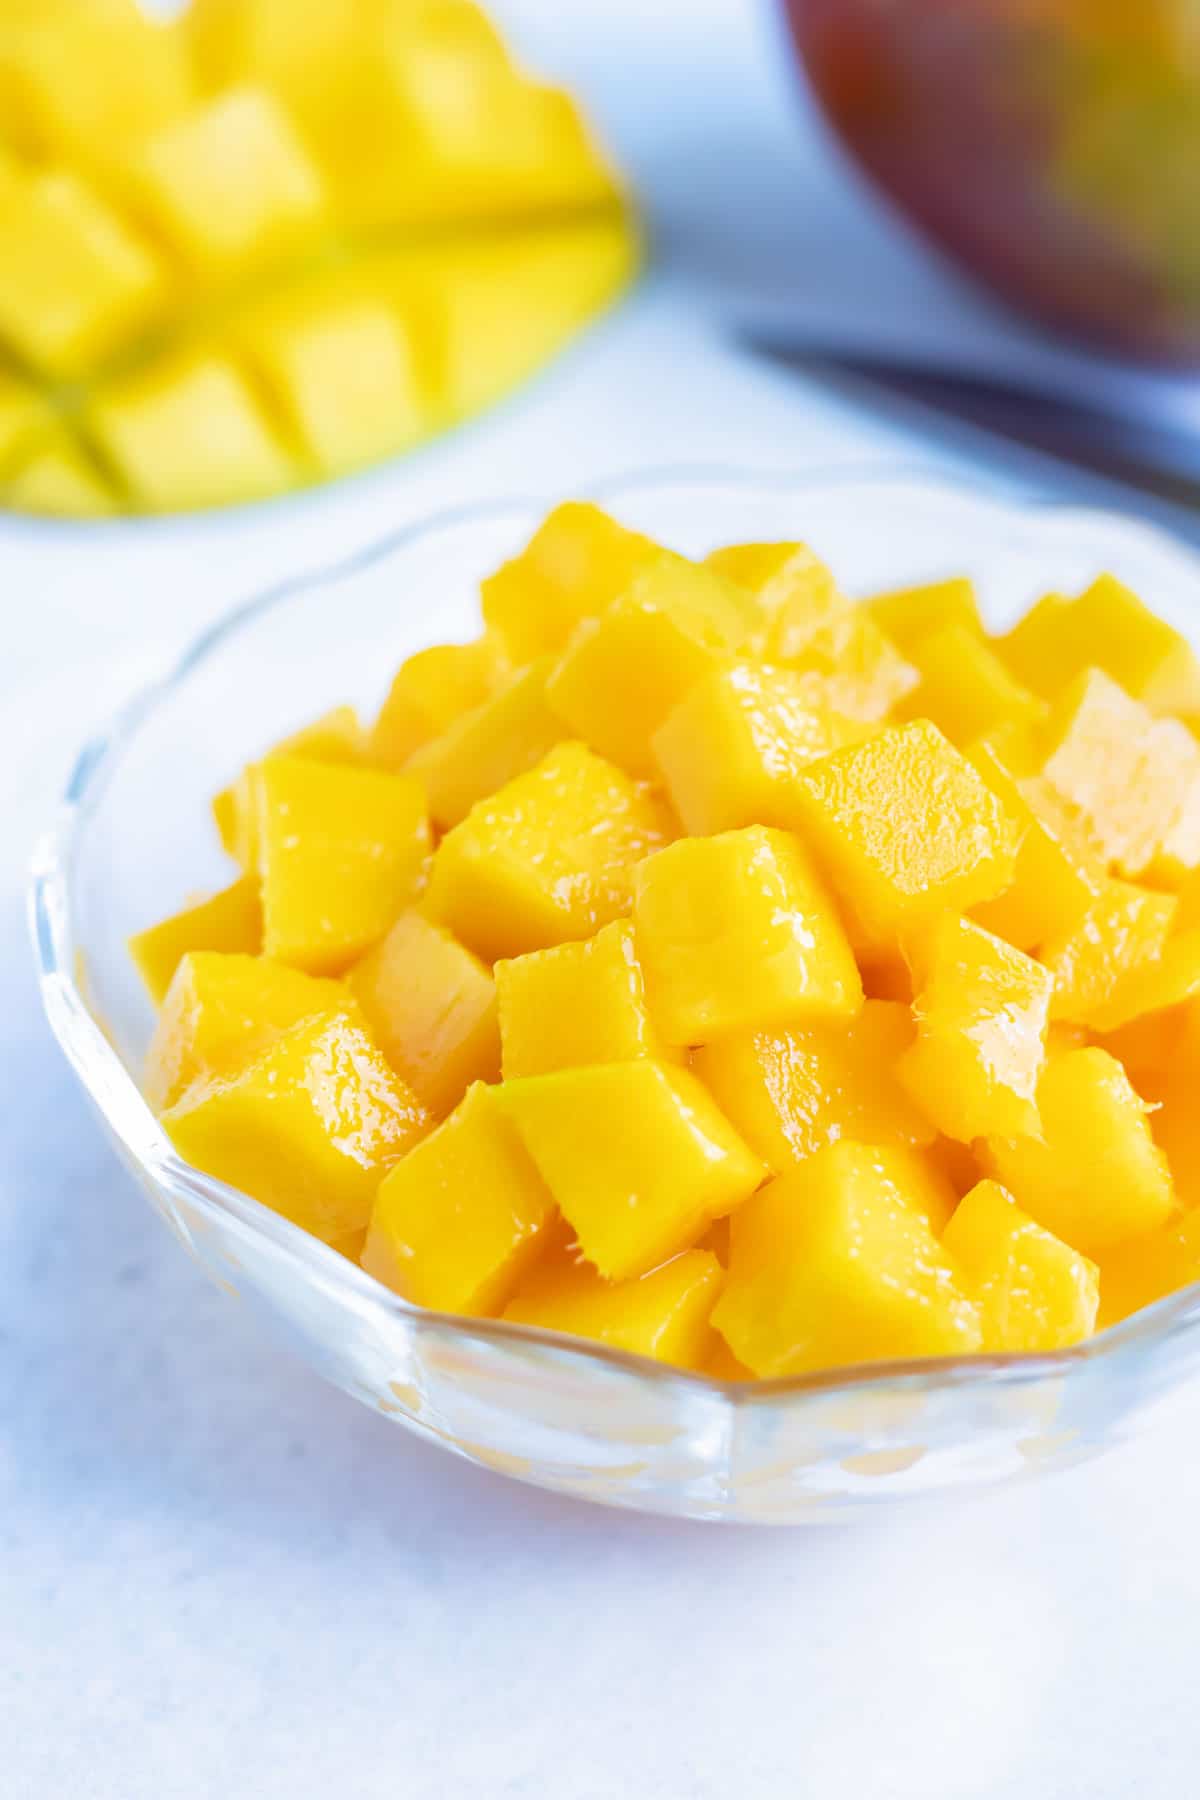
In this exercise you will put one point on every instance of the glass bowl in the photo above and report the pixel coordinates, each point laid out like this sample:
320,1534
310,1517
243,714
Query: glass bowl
131,841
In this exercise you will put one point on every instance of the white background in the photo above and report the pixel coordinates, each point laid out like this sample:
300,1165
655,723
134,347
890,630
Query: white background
218,1578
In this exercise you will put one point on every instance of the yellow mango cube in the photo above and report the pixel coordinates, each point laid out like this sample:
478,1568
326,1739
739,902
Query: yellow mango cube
1145,1269
814,628
965,688
663,1314
1109,628
57,479
309,1129
623,673
1096,1176
577,562
220,1013
789,1093
343,851
981,1009
548,858
75,282
187,432
229,185
336,737
729,751
737,932
906,829
431,1008
833,1263
1149,1022
1123,931
229,921
458,1221
481,751
1033,1291
1054,880
429,692
636,1155
576,1004
909,615
25,418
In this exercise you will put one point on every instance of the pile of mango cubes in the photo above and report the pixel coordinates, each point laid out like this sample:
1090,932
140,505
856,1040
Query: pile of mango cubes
273,240
711,965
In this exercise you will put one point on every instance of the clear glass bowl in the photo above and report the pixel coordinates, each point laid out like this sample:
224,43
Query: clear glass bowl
132,840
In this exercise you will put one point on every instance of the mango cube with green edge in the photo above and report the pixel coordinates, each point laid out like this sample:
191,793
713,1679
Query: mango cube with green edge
663,1314
981,1010
220,1013
59,480
789,1093
457,1222
907,615
1106,627
737,932
547,858
187,431
1095,1176
815,629
576,1004
621,674
429,691
1033,1291
309,1128
75,280
1146,1269
336,737
506,735
906,829
576,564
636,1155
729,751
1123,931
431,1007
1054,880
833,1263
230,921
343,851
965,688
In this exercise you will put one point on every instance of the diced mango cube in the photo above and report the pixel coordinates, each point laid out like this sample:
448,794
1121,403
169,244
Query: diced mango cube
229,921
729,751
833,1263
1033,1291
623,673
336,737
814,628
1054,882
343,852
907,615
58,480
456,1223
309,1129
220,1013
187,432
548,858
430,691
1149,1268
636,1155
576,1004
1155,1026
772,577
906,829
737,932
431,1008
663,1314
577,562
982,1009
482,750
1095,1177
789,1093
965,688
1109,628
1123,931
75,282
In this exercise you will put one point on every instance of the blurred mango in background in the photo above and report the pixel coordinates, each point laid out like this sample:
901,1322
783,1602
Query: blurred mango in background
274,240
1051,146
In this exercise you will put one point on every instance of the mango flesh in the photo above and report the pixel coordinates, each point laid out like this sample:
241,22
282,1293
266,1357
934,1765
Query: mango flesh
259,246
763,1039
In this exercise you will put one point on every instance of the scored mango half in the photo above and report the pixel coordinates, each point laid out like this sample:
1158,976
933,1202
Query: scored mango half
264,244
721,969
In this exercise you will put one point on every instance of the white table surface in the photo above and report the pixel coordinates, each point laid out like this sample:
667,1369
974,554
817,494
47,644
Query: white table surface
218,1578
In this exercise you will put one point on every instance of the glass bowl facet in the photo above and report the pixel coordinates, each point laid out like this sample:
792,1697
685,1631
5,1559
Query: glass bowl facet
131,841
